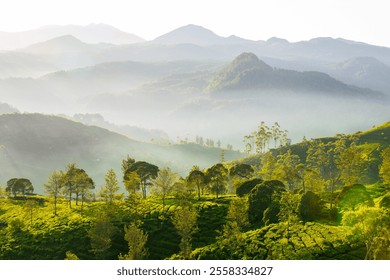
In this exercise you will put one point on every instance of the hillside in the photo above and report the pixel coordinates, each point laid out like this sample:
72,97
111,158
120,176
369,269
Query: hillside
248,72
34,145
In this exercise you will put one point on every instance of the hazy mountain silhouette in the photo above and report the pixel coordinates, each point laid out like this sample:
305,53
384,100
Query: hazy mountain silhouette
197,35
247,72
92,33
363,71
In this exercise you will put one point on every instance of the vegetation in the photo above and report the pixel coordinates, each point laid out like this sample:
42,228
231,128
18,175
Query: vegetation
319,199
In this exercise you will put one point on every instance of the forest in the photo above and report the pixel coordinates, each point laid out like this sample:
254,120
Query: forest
324,198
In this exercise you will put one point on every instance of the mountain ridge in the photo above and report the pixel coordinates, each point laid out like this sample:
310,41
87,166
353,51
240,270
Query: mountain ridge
91,33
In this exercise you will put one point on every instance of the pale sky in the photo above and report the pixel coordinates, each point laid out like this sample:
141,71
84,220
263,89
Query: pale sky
294,20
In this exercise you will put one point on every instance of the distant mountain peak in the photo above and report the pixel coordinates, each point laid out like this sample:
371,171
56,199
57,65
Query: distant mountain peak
65,43
248,60
197,35
239,73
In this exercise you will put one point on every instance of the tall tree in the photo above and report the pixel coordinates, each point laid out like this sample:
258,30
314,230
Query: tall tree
289,208
54,186
29,207
163,184
184,220
268,167
197,178
217,179
288,169
126,163
351,163
146,172
110,188
321,157
136,239
275,133
101,234
77,183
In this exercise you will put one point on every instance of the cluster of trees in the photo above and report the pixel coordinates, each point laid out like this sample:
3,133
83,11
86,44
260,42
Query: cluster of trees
208,142
323,167
73,183
259,140
20,186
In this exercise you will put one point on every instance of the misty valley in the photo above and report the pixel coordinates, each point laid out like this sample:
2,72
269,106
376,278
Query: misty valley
192,146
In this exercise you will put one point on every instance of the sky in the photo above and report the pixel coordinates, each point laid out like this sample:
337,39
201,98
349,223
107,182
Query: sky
358,20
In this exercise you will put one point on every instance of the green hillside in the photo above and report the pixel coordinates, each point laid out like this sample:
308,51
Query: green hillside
319,208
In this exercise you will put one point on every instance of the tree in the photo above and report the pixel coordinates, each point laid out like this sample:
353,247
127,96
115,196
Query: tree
132,182
184,220
54,186
287,169
216,177
183,191
237,220
268,167
289,208
262,197
238,212
19,186
100,235
163,184
351,163
384,169
247,186
126,163
275,132
372,226
110,188
322,157
241,170
197,178
83,186
353,197
311,207
146,172
258,140
136,239
29,207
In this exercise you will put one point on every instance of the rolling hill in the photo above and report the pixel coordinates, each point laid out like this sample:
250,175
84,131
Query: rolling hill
34,145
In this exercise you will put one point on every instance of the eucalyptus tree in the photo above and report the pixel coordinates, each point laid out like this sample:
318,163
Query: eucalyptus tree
197,177
54,185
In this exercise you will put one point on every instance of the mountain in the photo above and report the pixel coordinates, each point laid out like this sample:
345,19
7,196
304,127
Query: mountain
92,33
34,145
59,45
197,35
247,72
366,72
